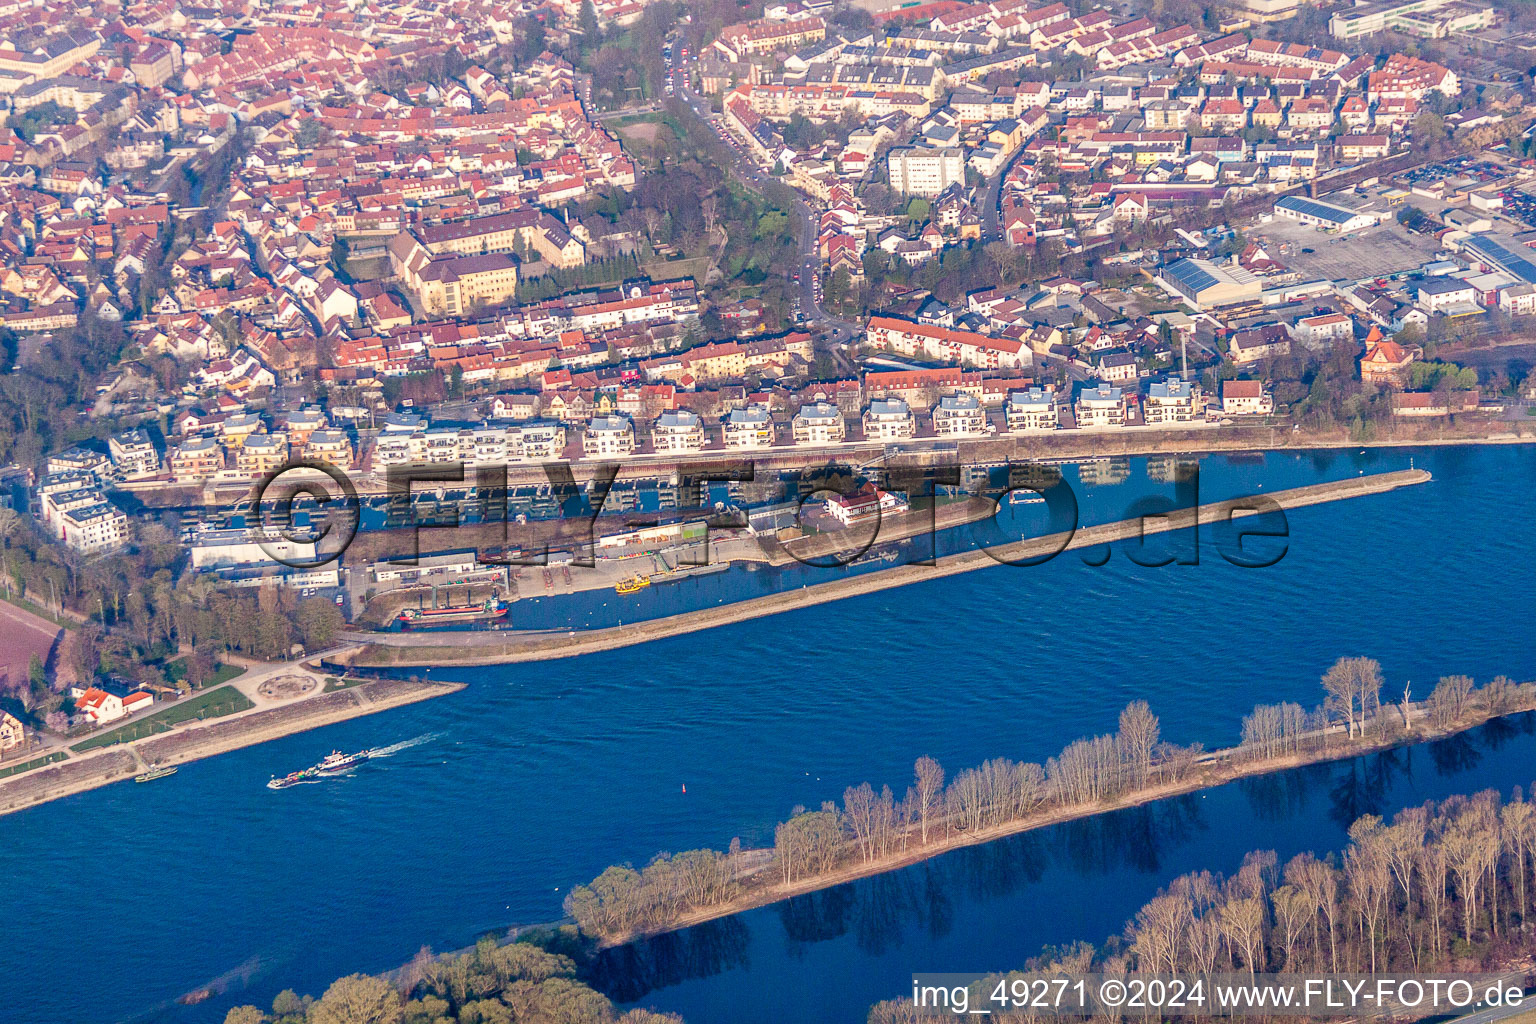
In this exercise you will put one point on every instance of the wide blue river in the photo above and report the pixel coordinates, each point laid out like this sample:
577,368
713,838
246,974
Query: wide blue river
535,777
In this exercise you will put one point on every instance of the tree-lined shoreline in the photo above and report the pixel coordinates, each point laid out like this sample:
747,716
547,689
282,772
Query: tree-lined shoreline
1443,886
873,831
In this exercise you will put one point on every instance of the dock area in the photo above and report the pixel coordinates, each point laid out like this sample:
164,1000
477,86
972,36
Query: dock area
490,648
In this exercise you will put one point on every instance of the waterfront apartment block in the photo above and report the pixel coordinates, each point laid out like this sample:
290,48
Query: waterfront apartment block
1173,401
331,446
489,446
195,460
959,416
95,528
677,431
1103,406
262,454
819,423
80,460
888,419
1032,410
751,427
133,454
608,435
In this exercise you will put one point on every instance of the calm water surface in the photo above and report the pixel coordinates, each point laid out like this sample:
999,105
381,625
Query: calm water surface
538,776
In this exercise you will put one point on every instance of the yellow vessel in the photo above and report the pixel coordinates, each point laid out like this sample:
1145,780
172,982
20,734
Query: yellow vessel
631,585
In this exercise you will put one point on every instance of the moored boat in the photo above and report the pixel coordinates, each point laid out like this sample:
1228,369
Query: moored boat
631,585
155,772
487,611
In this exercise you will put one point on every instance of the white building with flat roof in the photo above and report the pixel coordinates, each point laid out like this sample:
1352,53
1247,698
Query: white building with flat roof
888,419
819,423
1032,410
133,454
751,427
919,171
1172,401
676,431
959,416
608,435
1103,406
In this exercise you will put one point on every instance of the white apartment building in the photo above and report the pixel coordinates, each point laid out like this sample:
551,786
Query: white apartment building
1034,409
676,431
608,435
959,416
751,427
94,528
133,454
539,440
888,419
1323,329
1103,406
917,171
1172,401
81,460
819,423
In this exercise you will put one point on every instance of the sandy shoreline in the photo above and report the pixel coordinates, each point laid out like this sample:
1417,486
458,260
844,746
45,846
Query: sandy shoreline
207,739
494,648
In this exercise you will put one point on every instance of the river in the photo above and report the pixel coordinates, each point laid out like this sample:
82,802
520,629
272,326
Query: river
537,776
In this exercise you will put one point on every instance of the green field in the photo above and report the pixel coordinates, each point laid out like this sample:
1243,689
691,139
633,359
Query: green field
226,700
17,769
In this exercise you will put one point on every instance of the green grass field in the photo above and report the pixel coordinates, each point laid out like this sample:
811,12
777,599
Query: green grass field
226,700
17,769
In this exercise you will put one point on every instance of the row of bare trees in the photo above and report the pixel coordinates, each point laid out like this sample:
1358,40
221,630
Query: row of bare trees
1440,886
1352,699
872,827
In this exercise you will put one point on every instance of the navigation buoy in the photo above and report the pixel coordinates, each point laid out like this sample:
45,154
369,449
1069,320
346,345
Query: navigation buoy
685,787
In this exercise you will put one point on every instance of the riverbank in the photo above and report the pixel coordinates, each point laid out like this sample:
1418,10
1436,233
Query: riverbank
494,648
195,740
1217,768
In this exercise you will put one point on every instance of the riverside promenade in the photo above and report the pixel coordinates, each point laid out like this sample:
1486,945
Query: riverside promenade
287,699
405,650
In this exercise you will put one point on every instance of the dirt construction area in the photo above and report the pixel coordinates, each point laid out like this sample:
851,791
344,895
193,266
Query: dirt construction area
1384,249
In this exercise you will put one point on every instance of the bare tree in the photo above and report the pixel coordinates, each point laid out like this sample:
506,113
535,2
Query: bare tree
928,788
1242,923
1367,870
1353,686
1138,738
1451,699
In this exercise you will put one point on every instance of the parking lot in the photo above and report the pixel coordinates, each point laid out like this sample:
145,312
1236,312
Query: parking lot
1375,252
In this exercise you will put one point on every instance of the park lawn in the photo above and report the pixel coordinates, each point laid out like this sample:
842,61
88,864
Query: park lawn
176,671
17,769
222,675
226,700
334,683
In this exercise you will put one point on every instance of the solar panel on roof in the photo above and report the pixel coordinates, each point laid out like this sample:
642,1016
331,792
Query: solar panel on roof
1313,208
1191,276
